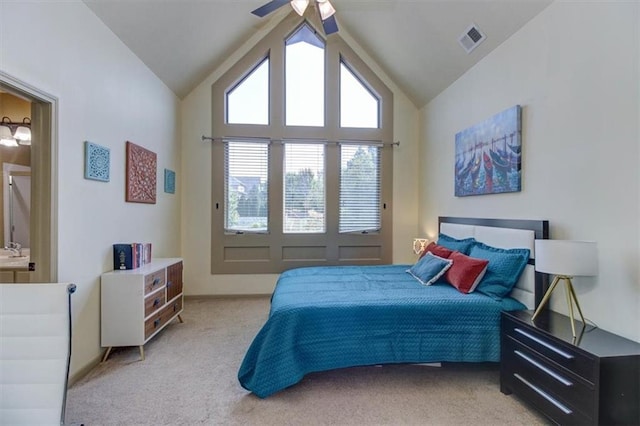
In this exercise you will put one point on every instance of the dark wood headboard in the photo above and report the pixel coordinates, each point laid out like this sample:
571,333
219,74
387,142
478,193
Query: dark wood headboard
539,227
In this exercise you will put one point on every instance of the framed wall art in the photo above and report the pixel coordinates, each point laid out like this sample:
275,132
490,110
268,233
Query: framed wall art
488,156
141,170
96,162
169,181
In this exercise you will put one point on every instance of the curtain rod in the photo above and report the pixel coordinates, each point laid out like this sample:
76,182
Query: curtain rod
257,139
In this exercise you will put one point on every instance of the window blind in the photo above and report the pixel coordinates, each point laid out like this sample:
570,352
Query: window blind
246,186
359,188
304,188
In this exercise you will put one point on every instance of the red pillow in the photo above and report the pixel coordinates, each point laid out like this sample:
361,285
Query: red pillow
439,251
466,272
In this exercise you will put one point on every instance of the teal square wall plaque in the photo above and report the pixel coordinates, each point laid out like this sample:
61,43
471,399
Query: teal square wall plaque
96,162
169,181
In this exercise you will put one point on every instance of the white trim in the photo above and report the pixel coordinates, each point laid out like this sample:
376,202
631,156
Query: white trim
38,95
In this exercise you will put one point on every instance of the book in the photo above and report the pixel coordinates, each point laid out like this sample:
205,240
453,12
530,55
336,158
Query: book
123,256
147,253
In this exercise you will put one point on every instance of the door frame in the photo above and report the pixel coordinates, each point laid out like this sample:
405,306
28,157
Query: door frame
44,177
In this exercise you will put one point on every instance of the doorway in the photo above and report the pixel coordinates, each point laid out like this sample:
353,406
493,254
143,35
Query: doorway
39,184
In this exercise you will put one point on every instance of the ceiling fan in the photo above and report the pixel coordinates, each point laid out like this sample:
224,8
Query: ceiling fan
325,9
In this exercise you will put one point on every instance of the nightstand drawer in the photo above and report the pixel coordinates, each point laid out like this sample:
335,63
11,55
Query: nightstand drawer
563,386
563,355
553,408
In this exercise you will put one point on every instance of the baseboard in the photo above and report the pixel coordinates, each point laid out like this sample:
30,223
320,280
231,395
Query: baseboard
80,374
227,296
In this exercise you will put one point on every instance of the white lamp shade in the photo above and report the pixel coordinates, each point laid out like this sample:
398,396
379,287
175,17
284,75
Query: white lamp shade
299,6
569,258
5,132
8,142
22,133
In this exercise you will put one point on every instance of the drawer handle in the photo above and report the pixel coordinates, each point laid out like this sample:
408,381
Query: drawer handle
169,283
156,281
544,368
156,302
543,394
156,323
175,307
545,344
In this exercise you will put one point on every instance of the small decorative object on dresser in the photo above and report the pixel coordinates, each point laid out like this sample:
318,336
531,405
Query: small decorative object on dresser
590,379
138,303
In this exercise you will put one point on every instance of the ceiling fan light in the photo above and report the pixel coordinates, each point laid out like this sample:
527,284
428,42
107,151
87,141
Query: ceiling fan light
22,133
326,9
299,6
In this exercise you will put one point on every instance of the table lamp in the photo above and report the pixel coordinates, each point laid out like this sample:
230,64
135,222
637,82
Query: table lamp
565,259
419,244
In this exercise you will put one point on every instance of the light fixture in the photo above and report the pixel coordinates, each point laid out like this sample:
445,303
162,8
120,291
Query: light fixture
6,137
299,6
565,259
12,133
419,244
326,9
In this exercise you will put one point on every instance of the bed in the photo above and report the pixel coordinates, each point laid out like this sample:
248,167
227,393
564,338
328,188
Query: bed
330,317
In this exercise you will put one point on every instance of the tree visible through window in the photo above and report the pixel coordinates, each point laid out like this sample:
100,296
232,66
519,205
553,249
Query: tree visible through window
304,202
359,188
246,186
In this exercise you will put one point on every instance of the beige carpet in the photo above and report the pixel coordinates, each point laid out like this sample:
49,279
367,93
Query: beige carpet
189,377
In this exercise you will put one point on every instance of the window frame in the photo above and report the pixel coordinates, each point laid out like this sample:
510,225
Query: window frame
277,251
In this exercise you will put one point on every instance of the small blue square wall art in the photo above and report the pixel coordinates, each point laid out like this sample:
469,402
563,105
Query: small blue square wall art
96,162
169,181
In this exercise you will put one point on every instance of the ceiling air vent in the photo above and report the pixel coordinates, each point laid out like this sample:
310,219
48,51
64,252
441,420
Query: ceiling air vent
471,38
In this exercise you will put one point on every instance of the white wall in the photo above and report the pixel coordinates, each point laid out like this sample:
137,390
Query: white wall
107,96
575,70
196,207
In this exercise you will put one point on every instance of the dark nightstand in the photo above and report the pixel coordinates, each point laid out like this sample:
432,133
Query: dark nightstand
593,379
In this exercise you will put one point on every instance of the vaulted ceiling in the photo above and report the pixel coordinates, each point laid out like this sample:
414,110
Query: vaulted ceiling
415,42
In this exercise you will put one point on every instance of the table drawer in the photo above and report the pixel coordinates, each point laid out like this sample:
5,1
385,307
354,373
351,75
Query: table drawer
563,355
153,302
556,410
174,307
154,281
160,318
566,388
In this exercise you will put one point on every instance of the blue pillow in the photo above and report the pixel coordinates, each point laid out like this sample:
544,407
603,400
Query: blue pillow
429,268
504,270
463,246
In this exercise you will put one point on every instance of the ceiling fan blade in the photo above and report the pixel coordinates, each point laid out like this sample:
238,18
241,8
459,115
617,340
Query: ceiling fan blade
330,25
267,8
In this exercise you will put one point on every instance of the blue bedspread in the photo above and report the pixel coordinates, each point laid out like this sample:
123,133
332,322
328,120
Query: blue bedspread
324,318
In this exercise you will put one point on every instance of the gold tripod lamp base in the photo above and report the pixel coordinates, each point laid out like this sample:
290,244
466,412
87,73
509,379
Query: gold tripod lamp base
571,299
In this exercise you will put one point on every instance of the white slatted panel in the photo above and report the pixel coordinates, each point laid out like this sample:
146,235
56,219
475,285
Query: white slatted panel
34,350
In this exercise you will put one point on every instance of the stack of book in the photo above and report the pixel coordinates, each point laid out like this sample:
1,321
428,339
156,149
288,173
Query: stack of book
131,255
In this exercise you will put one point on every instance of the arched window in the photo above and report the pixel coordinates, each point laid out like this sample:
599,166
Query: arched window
302,156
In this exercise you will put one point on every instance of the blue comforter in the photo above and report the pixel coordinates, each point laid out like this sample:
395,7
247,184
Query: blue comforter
324,318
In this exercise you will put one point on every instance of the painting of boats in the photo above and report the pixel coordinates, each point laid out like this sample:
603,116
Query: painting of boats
488,155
